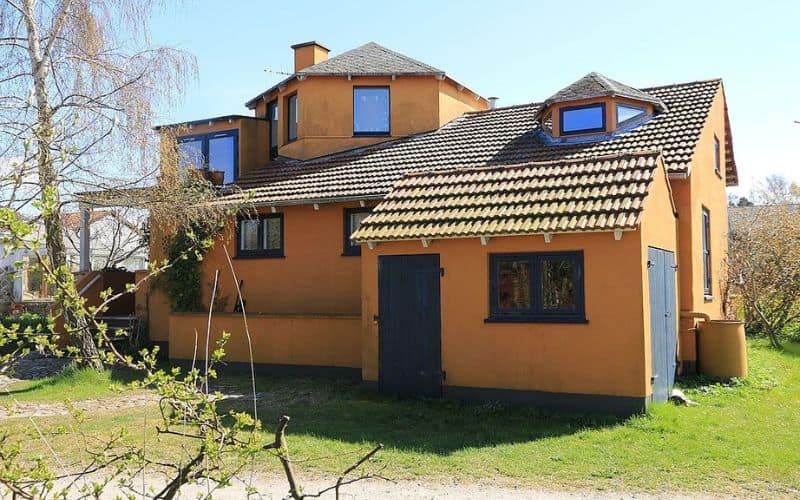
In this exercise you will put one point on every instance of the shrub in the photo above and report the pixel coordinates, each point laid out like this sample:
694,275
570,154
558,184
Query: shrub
35,322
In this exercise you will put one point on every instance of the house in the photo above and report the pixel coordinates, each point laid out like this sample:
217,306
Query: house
414,235
115,242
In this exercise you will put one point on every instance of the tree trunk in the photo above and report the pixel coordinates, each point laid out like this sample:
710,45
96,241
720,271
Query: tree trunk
74,320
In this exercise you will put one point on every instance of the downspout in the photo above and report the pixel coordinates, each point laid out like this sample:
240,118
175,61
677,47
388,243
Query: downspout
696,315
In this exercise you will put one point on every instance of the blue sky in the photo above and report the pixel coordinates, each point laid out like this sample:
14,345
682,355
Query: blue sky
519,51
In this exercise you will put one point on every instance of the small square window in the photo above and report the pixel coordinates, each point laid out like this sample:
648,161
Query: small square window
261,236
542,287
582,119
353,217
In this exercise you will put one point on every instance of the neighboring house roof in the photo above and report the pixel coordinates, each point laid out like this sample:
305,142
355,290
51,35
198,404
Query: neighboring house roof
597,194
597,85
72,220
741,217
369,59
483,138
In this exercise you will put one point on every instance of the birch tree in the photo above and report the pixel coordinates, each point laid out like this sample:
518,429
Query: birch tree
80,82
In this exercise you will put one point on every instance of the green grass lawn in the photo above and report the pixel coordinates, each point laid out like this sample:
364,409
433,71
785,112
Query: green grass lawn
73,383
743,438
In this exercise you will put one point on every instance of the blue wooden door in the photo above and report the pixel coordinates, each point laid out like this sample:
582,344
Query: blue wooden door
409,325
663,326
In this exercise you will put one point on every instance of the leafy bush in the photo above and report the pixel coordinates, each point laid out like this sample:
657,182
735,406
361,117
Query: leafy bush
35,322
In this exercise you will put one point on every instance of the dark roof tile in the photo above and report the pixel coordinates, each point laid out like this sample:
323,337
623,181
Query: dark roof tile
486,138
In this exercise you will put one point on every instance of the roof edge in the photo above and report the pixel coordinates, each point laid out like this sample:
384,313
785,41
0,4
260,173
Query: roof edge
571,161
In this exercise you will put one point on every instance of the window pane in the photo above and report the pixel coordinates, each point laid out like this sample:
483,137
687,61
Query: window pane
513,285
272,233
292,118
625,113
248,235
272,115
190,153
558,284
222,155
371,110
355,222
576,120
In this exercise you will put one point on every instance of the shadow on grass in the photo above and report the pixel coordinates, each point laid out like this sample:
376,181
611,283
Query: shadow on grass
71,377
345,411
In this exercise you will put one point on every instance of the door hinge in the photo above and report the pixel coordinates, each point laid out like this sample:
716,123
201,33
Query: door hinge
441,272
650,264
675,267
375,318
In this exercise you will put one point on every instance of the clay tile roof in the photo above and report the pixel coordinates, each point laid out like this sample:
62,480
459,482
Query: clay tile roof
563,196
485,138
72,220
597,85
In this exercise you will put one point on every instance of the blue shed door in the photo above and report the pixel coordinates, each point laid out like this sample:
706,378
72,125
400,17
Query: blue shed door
663,326
409,338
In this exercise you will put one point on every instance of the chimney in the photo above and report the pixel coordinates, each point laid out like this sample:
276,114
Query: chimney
308,54
492,102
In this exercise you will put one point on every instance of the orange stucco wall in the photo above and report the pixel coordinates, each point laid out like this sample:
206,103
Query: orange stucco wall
325,107
308,340
562,358
312,277
703,188
659,229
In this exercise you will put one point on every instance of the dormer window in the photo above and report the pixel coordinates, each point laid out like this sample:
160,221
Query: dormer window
582,119
594,108
628,112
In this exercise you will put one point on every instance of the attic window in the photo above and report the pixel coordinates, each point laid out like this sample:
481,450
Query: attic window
582,119
628,112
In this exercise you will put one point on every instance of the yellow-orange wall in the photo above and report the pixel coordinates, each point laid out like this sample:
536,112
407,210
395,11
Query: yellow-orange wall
659,229
313,277
325,105
562,358
276,339
703,188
